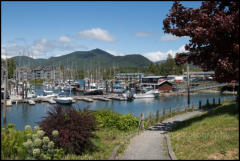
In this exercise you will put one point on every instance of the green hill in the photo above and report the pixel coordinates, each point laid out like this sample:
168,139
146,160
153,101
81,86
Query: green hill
86,59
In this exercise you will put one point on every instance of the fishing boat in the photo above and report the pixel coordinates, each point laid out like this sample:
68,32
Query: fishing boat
64,98
147,93
128,95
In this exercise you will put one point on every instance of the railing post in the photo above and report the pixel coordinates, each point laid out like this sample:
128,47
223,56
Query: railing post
157,116
149,119
213,101
207,102
200,104
141,124
170,111
219,101
163,113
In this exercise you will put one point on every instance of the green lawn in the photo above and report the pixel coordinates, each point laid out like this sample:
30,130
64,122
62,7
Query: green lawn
213,135
107,140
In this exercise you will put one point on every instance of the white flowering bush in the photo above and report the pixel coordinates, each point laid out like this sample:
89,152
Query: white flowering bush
39,146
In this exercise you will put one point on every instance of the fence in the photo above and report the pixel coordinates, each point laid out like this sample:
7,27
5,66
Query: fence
178,110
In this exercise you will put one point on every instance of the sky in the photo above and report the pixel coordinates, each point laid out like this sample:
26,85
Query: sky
45,29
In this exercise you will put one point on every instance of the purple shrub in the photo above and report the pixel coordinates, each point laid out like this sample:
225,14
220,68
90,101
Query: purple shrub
75,128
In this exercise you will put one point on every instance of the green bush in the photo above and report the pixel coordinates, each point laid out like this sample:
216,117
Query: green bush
27,144
109,119
40,147
11,143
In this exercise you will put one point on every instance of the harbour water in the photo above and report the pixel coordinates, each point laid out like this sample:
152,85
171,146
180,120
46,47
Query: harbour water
25,114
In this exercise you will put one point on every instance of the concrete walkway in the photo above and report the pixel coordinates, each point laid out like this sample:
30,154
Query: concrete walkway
149,145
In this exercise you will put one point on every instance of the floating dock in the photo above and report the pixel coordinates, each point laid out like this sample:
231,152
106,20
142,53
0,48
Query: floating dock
101,98
82,98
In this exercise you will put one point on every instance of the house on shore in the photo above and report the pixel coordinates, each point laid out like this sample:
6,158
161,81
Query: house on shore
157,82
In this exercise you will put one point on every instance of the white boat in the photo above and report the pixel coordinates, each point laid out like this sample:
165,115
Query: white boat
63,98
47,94
92,87
147,93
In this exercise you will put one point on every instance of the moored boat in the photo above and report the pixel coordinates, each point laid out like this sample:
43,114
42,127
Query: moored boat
147,93
64,98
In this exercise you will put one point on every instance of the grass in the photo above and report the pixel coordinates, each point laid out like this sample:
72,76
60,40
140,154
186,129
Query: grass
107,140
212,135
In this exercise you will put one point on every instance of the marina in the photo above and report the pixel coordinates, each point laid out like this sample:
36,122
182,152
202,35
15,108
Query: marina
23,113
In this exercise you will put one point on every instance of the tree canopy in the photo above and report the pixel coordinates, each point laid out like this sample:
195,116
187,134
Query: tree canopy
213,30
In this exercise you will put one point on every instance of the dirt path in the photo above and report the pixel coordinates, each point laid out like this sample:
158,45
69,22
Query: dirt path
150,143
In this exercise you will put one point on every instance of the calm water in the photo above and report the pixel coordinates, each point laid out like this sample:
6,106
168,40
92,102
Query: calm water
25,114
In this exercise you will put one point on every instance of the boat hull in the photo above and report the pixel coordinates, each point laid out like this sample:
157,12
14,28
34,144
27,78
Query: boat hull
64,101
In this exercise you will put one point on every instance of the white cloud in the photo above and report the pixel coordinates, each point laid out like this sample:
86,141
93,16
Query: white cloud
158,55
144,34
97,33
115,53
64,39
40,48
169,37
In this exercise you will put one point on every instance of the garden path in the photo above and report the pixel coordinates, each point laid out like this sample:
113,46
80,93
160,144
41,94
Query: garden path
149,145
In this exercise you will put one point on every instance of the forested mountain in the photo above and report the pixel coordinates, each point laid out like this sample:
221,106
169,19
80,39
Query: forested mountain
86,59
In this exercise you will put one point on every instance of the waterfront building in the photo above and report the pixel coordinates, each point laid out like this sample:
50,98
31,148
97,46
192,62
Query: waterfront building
203,75
26,74
23,74
165,86
153,81
130,77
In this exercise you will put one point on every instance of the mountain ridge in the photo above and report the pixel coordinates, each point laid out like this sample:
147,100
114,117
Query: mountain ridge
86,59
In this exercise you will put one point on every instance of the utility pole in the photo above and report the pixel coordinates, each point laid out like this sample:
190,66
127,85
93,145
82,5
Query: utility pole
188,84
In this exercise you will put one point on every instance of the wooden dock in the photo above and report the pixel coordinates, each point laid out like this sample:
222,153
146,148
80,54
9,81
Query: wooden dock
90,98
82,98
101,98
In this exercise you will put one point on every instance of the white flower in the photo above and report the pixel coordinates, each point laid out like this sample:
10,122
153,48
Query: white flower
36,128
46,140
28,144
28,127
37,142
34,136
51,145
36,152
55,133
40,133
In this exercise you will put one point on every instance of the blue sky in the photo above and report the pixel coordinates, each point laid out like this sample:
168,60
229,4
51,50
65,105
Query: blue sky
45,29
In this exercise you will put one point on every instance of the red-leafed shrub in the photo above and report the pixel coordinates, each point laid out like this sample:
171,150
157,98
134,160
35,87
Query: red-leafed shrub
75,128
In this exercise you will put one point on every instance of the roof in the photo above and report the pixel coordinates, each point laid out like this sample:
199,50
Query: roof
164,82
154,77
201,73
